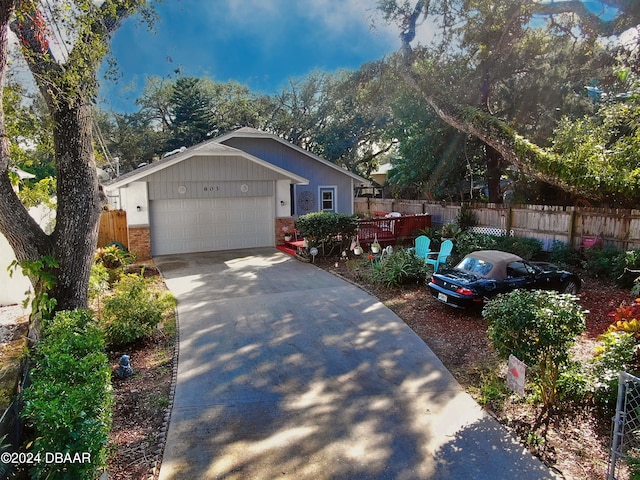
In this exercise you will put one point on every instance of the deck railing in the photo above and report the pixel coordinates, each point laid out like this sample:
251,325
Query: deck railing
391,230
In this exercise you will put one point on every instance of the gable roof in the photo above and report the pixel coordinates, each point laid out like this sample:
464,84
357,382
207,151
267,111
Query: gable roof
208,148
248,132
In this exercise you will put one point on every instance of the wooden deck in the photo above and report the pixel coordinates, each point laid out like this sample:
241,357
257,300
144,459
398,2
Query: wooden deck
388,231
391,230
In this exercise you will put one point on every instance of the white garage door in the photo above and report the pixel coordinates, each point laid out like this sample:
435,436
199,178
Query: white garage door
202,225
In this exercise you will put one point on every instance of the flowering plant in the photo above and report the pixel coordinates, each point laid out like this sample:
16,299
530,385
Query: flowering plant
626,318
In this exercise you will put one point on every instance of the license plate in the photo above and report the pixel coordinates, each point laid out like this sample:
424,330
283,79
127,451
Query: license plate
442,297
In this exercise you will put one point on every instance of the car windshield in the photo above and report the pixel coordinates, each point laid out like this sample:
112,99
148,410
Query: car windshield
475,265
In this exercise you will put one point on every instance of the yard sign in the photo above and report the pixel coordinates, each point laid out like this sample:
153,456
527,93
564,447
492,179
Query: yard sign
516,375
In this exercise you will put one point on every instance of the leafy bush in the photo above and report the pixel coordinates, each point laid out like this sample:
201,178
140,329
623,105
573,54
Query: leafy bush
627,268
538,327
98,280
564,254
69,401
450,230
400,268
617,352
134,311
113,256
468,242
325,228
574,382
600,261
466,218
625,319
527,248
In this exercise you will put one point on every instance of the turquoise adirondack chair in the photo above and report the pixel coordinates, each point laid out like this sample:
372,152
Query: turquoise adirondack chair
440,258
422,246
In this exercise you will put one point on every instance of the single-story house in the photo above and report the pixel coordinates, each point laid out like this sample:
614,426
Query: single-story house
240,190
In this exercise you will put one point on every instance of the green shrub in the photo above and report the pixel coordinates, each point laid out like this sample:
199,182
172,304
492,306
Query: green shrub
617,352
466,218
328,229
564,254
113,256
98,281
574,383
538,327
68,404
600,262
402,267
632,459
627,268
134,311
468,242
527,248
450,230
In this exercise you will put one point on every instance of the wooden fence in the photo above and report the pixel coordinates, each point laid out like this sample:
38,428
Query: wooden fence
113,228
573,225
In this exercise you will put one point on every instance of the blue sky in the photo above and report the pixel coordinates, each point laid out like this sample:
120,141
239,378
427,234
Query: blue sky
259,43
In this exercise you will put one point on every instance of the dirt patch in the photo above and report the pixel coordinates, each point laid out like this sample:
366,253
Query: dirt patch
574,443
140,413
143,400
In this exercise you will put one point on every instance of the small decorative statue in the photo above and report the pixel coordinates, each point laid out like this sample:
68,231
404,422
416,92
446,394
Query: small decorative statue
124,367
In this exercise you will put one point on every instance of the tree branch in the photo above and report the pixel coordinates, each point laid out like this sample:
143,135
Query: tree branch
515,149
591,21
26,238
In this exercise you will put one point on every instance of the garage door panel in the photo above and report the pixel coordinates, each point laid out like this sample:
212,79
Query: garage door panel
198,225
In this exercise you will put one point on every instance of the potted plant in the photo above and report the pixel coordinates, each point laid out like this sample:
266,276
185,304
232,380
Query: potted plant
449,231
355,246
287,235
375,246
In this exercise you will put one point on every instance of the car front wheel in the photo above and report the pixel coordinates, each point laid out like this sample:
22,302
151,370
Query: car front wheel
571,287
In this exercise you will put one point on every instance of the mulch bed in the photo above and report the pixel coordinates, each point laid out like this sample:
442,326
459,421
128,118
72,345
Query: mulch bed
574,443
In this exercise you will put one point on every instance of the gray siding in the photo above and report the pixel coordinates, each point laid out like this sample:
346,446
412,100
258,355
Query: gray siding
206,177
296,162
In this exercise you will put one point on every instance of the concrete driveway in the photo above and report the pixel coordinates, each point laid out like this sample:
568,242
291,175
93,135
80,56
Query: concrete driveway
286,371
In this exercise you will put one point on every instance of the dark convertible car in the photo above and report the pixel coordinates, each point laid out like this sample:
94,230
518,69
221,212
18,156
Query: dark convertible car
486,273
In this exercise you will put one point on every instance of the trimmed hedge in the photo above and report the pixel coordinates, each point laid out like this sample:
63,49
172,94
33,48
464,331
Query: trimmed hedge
68,404
325,228
134,311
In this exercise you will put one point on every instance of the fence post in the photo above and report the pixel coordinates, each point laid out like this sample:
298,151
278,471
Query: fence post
572,227
618,428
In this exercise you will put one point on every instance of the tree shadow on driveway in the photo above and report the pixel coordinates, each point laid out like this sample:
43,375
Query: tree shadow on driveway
286,371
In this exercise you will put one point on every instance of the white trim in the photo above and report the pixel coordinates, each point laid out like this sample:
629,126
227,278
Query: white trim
332,188
207,149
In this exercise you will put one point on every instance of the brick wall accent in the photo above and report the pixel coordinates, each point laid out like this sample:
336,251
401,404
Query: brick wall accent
140,242
283,225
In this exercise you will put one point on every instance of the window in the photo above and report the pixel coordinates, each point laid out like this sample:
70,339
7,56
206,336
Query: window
328,199
475,265
518,269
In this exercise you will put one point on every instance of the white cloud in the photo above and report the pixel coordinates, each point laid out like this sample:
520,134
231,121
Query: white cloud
328,17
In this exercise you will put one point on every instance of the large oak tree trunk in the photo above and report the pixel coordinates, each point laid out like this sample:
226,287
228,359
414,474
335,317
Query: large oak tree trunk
494,172
79,204
79,200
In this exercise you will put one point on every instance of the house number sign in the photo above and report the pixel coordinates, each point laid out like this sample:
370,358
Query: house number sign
244,188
